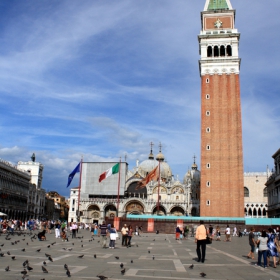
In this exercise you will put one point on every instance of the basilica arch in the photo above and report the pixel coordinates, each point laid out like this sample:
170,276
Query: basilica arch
162,193
110,210
162,211
177,211
134,190
134,207
93,212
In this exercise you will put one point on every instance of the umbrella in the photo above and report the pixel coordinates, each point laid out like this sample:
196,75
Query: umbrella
3,214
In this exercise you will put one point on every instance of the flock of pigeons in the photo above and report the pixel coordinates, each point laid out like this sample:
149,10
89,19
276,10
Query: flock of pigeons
26,264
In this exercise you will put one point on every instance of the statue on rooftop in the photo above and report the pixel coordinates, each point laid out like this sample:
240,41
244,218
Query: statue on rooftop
33,157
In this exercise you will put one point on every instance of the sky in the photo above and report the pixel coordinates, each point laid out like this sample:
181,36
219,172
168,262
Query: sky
103,79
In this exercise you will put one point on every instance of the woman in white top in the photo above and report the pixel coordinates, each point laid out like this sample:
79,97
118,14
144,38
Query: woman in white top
262,244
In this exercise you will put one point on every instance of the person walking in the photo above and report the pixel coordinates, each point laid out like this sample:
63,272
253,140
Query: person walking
57,229
218,234
272,249
252,244
211,231
234,231
262,244
227,238
113,237
129,236
178,232
74,229
103,233
200,240
124,232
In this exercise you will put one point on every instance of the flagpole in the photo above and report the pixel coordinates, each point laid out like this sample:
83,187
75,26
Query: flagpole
158,186
79,190
119,187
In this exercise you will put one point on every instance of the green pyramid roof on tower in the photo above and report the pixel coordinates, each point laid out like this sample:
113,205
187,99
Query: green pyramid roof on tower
218,5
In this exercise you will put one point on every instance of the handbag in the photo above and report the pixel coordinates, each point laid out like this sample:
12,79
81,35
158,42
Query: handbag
208,239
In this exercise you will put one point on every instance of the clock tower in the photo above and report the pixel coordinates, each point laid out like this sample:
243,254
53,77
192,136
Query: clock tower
222,186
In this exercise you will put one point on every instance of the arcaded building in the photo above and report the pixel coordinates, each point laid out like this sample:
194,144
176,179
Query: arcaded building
222,181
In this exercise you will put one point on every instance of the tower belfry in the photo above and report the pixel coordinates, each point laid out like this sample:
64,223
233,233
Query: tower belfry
222,187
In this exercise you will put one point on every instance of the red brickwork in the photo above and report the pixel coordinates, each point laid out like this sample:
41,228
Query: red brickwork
224,154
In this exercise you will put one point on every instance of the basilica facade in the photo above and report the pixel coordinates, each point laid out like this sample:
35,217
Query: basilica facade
167,196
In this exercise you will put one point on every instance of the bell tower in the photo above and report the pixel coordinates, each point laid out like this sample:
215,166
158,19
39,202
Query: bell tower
222,186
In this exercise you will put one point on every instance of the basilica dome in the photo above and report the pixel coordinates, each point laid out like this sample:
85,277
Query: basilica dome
148,165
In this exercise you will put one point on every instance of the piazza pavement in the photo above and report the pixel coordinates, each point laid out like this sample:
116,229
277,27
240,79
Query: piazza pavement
151,256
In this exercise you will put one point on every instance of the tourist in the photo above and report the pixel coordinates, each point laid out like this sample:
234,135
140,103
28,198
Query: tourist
200,240
186,232
211,231
74,229
113,236
136,230
124,232
95,229
218,234
234,231
239,232
272,249
252,244
57,226
178,232
103,233
129,236
192,231
262,251
227,232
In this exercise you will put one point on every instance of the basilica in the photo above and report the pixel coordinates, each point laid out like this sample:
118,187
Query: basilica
167,196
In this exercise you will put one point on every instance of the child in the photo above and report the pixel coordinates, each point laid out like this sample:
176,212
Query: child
218,234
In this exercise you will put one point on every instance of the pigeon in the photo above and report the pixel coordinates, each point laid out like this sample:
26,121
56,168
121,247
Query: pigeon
202,274
25,263
8,253
7,268
82,245
117,257
191,266
24,272
153,257
102,277
73,244
94,256
13,258
70,249
44,270
50,258
80,256
53,243
121,265
149,252
29,268
131,261
66,266
49,246
123,271
23,250
154,240
12,243
27,244
2,245
47,255
2,254
68,273
44,263
38,250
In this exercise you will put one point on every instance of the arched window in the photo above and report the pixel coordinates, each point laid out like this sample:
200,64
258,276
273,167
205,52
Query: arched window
255,212
265,192
246,192
216,51
223,51
209,51
229,52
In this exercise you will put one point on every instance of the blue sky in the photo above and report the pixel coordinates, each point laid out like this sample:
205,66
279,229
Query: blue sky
105,78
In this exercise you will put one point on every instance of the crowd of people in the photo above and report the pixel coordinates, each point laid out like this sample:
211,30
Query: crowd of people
266,243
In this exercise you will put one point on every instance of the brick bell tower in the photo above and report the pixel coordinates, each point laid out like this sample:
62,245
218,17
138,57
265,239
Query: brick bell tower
222,186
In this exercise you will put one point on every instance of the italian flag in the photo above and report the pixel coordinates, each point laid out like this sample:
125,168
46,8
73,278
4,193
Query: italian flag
113,170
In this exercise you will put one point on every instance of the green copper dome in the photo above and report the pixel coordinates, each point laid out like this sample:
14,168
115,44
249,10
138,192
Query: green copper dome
218,5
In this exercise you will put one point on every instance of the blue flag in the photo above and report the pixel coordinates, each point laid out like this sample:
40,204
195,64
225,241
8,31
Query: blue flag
72,174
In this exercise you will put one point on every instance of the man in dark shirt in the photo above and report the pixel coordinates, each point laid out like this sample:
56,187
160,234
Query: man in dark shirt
211,231
103,233
252,244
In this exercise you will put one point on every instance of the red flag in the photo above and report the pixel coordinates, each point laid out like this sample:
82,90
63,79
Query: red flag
152,176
